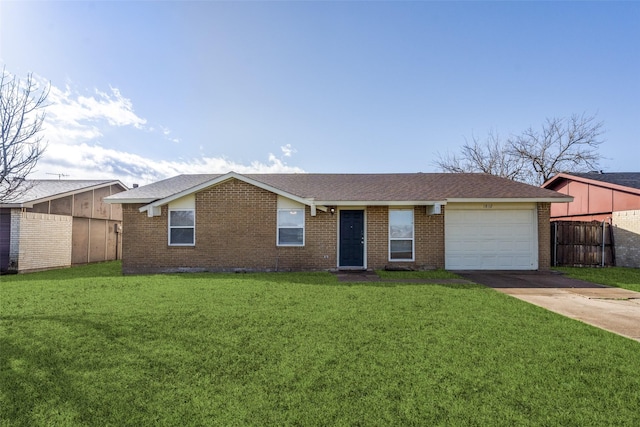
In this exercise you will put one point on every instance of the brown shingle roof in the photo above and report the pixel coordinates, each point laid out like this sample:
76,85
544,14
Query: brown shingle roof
363,187
400,187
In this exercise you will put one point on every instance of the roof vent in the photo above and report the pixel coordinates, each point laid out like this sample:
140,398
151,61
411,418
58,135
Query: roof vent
135,185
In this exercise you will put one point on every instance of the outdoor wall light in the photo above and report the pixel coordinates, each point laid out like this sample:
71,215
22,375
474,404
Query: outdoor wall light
332,210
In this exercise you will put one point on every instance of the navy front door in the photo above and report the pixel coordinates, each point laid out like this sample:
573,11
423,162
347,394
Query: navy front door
352,238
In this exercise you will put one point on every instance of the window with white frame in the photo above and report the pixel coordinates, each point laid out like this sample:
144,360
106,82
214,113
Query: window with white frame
182,227
290,227
401,235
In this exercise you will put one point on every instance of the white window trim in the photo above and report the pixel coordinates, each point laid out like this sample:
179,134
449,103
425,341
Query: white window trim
413,236
169,227
304,228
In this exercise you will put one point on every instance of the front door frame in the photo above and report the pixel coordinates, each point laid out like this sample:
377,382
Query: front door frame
364,246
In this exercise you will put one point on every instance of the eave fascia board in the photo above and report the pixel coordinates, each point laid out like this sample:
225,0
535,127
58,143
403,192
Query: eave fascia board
553,179
513,200
145,200
589,181
222,178
381,202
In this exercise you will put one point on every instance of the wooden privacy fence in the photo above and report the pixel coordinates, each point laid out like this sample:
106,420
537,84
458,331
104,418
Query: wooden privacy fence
579,243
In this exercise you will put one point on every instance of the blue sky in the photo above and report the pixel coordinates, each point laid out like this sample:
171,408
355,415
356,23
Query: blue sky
146,90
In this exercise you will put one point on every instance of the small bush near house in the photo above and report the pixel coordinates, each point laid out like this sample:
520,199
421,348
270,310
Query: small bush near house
88,347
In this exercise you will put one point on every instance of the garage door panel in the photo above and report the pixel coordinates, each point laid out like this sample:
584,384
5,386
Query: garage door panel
490,239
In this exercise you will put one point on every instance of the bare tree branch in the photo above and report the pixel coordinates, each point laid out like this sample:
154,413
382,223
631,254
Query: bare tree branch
489,156
22,114
561,145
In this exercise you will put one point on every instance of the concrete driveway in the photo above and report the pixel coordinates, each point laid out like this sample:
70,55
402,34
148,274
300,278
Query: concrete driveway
613,309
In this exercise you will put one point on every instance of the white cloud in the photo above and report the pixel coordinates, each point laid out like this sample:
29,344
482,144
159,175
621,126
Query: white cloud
75,128
287,150
86,161
166,132
74,117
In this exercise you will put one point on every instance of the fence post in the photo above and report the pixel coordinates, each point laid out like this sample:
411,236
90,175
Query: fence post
555,243
603,242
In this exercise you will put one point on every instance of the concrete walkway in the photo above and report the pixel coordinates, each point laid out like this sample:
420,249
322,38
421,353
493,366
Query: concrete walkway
613,309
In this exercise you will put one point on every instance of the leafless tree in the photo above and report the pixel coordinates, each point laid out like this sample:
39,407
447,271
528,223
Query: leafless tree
22,104
490,156
561,145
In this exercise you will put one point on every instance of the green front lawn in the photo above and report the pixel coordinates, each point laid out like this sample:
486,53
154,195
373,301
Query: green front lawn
621,277
428,274
89,347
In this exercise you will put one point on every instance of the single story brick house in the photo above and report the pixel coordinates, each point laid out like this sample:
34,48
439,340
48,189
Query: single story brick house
287,222
613,197
59,223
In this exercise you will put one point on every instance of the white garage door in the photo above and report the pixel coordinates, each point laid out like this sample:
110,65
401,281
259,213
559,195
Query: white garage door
490,239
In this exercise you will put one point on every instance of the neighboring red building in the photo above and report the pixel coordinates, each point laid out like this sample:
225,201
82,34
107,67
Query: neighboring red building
598,196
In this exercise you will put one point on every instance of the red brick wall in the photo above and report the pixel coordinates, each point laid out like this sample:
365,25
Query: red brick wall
544,236
319,252
429,238
236,230
377,236
428,235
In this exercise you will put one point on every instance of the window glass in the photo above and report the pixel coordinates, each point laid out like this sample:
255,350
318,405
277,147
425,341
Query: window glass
291,218
401,234
182,227
182,236
291,227
401,224
181,218
401,249
290,236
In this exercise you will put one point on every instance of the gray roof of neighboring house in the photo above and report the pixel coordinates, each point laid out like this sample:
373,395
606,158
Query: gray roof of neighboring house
357,187
45,189
625,179
165,188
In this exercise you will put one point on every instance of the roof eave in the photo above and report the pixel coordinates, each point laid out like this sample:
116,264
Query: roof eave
31,203
125,201
511,200
152,207
596,182
381,202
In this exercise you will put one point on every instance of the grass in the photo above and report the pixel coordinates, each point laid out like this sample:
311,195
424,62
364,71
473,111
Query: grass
621,277
88,347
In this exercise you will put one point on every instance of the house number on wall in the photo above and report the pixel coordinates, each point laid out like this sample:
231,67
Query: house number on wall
488,205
